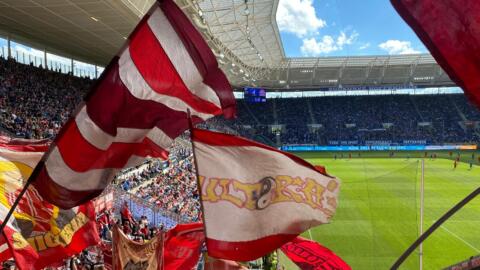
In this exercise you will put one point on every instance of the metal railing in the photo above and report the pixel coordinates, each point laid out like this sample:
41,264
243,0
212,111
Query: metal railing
155,214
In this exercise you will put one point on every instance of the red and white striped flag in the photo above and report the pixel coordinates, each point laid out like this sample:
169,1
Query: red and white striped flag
137,107
257,198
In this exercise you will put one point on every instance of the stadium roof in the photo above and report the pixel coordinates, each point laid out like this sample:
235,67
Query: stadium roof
243,34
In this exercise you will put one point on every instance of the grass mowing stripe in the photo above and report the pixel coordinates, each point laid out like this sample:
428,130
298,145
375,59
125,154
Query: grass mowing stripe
460,238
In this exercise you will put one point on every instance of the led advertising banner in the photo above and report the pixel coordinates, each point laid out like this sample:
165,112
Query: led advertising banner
347,148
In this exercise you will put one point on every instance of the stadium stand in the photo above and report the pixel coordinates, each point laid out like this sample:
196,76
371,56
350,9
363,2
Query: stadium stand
362,119
35,103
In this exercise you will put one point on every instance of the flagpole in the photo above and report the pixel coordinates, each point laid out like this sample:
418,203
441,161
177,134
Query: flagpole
434,227
199,187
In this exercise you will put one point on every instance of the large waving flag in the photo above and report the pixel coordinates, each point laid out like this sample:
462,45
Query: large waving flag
137,108
257,198
450,29
38,234
310,255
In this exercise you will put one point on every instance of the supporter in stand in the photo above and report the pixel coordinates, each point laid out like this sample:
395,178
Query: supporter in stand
104,224
126,214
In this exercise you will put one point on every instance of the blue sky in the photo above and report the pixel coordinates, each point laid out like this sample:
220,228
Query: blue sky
344,28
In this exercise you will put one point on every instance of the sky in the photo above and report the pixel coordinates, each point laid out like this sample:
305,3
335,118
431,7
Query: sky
339,28
344,28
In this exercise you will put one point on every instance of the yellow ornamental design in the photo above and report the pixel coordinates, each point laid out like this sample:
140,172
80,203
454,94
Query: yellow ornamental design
12,176
18,241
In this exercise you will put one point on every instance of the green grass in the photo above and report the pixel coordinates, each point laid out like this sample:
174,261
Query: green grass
378,213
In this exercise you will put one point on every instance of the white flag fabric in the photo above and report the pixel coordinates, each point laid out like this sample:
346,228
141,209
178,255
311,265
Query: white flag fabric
257,198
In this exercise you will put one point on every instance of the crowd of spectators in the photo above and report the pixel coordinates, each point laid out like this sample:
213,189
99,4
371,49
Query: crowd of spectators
133,177
136,229
436,119
34,102
170,184
174,189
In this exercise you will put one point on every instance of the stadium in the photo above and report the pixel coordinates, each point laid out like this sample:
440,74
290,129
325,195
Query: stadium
396,129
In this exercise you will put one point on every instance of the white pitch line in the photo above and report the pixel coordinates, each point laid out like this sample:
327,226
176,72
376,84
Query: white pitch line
461,239
311,238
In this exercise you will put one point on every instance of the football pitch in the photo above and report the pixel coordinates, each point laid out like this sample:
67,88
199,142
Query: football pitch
378,215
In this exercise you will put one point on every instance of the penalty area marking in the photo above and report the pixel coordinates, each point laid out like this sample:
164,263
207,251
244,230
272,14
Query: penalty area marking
461,239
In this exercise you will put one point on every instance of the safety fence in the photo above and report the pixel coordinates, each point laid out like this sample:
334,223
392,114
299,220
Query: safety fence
114,197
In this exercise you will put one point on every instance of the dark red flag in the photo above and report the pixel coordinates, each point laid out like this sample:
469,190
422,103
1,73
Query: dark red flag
137,108
450,29
310,255
182,246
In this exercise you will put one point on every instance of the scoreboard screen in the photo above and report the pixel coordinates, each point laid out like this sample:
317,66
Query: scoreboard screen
255,95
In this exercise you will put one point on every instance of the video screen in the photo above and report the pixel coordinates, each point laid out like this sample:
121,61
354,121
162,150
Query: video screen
255,95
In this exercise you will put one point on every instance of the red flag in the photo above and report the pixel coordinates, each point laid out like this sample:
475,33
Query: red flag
257,198
310,255
450,29
52,234
12,243
137,108
107,255
182,246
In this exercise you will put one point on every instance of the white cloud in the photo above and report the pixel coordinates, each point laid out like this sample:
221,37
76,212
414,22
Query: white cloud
343,39
298,17
394,46
312,47
364,46
328,44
